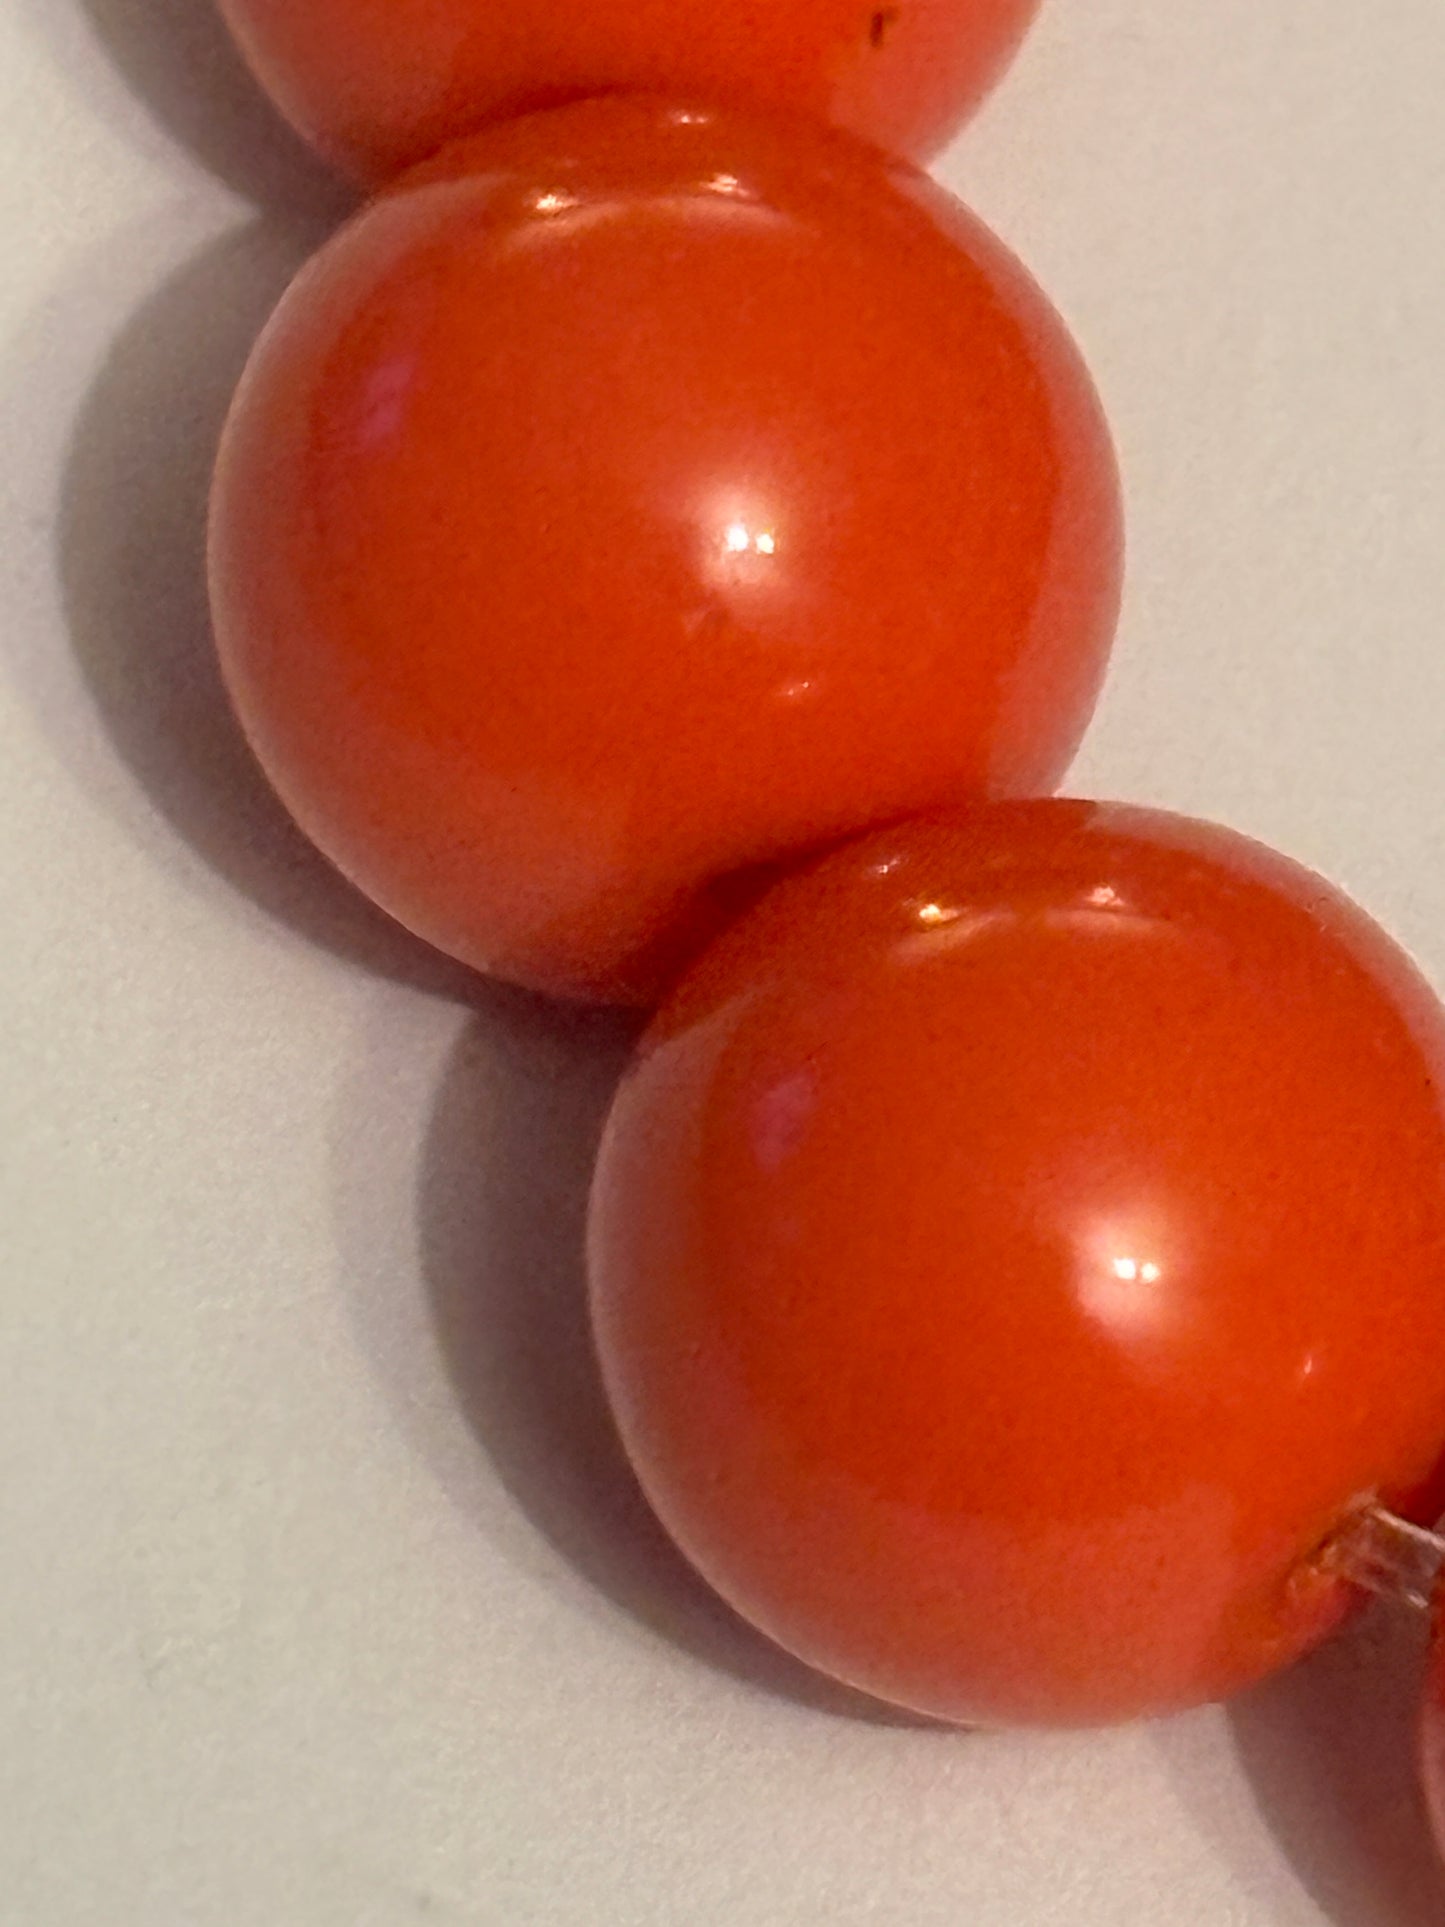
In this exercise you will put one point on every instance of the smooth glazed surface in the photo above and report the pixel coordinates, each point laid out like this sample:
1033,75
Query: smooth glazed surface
642,494
380,84
1020,1243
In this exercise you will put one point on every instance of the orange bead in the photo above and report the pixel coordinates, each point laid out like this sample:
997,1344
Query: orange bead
380,84
641,494
1017,1249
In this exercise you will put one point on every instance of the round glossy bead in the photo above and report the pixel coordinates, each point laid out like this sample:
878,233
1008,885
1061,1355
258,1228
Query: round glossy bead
1019,1245
642,494
380,84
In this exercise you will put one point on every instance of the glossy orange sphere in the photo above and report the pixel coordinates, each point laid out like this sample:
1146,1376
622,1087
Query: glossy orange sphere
640,494
380,84
1019,1245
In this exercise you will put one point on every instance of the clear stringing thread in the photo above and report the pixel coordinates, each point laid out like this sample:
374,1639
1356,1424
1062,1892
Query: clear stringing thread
1388,1556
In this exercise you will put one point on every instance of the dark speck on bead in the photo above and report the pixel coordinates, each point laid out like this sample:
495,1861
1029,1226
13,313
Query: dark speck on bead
882,24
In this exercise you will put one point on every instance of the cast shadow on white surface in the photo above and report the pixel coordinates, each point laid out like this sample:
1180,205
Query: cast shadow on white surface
179,63
132,560
1327,1759
1329,1749
501,1199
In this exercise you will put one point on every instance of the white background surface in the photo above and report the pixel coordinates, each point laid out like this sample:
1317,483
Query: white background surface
323,1602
